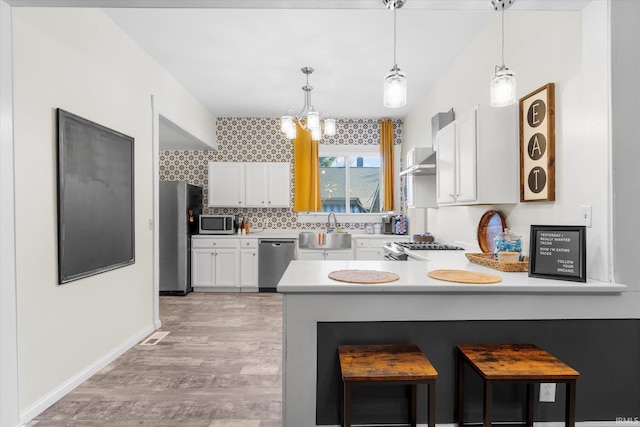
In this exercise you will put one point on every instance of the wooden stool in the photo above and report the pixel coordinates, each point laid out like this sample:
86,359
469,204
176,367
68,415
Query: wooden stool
524,363
386,364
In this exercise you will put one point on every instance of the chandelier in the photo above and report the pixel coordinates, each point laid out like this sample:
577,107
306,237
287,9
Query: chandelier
308,119
503,83
395,82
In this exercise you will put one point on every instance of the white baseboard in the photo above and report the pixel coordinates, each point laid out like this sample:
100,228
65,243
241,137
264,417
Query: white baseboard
549,424
34,410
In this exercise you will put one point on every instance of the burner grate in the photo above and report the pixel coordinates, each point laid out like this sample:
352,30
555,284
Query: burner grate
424,246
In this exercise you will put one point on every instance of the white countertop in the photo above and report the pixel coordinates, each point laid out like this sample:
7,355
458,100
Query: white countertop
312,277
293,234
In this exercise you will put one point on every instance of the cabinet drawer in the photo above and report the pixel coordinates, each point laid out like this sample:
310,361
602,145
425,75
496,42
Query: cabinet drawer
362,243
249,244
215,243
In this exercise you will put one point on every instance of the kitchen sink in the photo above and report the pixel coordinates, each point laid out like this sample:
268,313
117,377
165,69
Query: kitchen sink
324,241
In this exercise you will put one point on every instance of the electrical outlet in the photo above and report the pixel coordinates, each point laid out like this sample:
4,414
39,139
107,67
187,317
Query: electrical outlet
547,392
585,215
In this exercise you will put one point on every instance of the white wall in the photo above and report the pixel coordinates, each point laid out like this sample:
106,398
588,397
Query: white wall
8,329
79,60
625,114
569,49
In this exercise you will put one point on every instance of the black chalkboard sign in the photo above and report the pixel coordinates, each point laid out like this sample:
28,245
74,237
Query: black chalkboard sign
558,252
95,198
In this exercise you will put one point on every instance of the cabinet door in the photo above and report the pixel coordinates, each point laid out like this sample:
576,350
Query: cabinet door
249,268
446,169
279,185
256,184
338,255
226,184
371,254
466,164
202,266
227,267
310,255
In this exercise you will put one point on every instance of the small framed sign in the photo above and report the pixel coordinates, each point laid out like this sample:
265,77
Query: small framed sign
558,252
537,145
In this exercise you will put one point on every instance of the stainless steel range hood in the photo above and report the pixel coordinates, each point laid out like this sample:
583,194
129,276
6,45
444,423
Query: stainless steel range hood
420,161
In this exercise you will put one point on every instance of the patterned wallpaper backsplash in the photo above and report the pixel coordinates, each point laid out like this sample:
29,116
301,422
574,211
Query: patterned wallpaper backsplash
248,139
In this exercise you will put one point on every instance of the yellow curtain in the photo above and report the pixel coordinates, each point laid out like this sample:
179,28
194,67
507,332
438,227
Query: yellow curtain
306,196
386,160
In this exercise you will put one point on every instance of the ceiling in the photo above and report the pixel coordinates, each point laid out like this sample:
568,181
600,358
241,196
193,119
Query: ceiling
245,60
242,58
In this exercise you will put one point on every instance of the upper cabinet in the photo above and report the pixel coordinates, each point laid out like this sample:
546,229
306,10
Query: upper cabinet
267,185
477,158
226,184
264,185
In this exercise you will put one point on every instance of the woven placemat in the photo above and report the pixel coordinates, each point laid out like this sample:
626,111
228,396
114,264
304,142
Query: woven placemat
363,276
464,276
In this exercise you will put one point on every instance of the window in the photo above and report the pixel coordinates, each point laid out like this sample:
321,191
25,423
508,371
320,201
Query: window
357,176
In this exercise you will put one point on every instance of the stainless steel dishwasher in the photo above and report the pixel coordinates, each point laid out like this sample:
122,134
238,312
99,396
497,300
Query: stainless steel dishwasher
273,259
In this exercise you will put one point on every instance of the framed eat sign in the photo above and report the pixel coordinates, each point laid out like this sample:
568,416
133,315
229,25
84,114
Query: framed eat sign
537,145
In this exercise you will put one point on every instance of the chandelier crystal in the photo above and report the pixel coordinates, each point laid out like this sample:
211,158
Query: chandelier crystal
395,82
503,83
308,119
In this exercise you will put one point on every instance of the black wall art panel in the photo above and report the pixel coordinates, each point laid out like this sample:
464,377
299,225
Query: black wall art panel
95,198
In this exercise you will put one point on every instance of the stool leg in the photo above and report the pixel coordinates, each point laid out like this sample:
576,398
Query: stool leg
488,403
458,399
432,404
529,404
346,418
570,404
413,410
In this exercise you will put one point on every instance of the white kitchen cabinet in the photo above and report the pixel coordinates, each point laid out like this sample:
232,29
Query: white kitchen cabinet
477,158
215,264
226,184
323,255
256,184
371,247
267,185
249,265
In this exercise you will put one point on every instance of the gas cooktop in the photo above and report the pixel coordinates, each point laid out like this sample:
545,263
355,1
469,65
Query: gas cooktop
424,246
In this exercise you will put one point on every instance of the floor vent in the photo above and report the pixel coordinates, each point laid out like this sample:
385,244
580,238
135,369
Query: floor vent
155,338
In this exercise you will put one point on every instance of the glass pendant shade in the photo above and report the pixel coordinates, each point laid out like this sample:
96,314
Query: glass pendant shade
286,123
316,135
395,88
329,127
313,120
503,87
291,132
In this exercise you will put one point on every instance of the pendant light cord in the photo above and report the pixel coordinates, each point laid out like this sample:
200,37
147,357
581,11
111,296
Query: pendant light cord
503,36
395,64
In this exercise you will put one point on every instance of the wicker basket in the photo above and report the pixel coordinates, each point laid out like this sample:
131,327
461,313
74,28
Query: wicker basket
487,260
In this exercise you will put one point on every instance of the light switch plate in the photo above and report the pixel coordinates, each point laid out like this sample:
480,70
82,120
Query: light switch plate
585,215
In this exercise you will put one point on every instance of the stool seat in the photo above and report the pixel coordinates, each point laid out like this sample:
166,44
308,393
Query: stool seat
386,363
513,362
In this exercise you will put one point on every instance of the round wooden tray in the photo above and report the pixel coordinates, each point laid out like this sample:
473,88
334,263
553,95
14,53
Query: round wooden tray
464,276
491,224
363,276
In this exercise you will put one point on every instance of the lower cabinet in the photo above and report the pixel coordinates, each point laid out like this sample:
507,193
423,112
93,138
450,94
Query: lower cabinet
215,264
371,248
249,265
317,255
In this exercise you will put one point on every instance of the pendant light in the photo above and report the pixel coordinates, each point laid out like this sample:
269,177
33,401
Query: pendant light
308,119
395,82
503,83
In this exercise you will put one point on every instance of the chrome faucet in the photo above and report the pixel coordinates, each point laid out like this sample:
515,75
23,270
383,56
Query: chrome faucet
335,222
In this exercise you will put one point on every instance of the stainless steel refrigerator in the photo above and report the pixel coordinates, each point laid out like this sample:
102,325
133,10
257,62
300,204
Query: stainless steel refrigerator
180,208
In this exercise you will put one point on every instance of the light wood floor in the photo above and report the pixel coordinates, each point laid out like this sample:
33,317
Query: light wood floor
220,366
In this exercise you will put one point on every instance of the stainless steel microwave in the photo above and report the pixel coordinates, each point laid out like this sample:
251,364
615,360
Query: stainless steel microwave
216,224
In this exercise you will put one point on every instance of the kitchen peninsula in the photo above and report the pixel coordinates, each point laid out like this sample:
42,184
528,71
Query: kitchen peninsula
320,314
